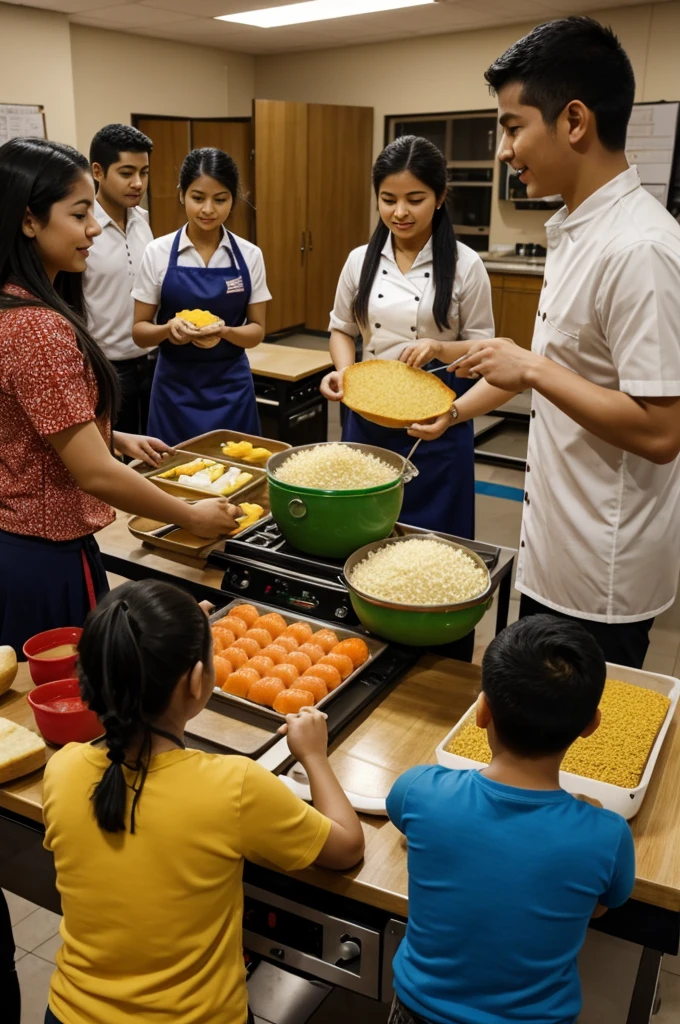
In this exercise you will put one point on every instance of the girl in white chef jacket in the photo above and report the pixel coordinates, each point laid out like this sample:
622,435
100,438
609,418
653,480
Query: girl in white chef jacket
418,295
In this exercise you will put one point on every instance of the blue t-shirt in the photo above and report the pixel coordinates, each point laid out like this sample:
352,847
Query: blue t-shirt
502,884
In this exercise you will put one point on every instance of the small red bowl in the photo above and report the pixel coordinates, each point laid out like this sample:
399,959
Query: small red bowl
58,723
46,670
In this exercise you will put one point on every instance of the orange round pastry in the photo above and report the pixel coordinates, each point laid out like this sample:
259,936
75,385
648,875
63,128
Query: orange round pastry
237,626
301,631
286,673
262,664
325,638
223,669
272,622
247,644
330,675
344,665
266,690
248,613
355,648
288,642
236,655
316,687
261,636
240,681
223,635
276,653
289,702
301,660
313,652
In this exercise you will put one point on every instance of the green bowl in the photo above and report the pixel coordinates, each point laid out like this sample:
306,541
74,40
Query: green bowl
416,625
333,524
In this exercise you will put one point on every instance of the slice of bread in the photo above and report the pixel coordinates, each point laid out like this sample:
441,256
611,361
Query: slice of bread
21,751
393,394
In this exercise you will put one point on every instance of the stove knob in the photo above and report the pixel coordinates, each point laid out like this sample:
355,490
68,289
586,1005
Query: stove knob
244,583
349,951
341,612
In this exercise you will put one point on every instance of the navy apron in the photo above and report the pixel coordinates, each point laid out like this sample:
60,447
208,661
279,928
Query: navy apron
442,496
197,390
45,584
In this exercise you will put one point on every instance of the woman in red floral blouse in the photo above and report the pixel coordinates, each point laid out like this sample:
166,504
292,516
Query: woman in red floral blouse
59,482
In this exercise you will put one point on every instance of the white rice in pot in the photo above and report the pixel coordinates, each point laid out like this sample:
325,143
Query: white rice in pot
335,467
420,572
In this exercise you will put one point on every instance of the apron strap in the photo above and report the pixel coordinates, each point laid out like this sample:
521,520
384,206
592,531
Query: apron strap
172,258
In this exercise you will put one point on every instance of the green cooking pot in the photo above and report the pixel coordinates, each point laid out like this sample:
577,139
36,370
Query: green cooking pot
335,523
416,625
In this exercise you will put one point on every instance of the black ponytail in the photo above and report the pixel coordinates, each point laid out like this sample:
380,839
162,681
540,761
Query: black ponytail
426,163
34,175
136,646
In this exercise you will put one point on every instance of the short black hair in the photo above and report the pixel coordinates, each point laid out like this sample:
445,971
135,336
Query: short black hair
114,139
572,59
543,679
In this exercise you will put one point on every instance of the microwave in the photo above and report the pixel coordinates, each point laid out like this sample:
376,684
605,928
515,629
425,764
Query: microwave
511,189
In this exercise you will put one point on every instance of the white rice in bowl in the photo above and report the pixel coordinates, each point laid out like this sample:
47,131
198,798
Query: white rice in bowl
335,467
420,572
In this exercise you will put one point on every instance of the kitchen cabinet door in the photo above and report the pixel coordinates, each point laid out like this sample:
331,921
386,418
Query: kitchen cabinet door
171,139
280,130
497,301
235,138
520,307
339,141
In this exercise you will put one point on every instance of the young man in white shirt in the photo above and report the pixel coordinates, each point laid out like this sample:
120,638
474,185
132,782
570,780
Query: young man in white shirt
119,157
600,537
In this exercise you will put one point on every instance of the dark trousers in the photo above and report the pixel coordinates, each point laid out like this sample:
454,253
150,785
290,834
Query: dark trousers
51,1019
400,1014
622,643
10,996
135,377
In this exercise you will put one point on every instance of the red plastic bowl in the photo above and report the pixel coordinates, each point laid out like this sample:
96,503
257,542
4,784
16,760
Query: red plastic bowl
45,670
63,726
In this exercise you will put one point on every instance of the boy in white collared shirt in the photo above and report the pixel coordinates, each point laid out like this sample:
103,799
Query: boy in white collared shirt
600,535
119,157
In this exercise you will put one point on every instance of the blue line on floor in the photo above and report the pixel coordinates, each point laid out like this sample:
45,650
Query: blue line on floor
499,491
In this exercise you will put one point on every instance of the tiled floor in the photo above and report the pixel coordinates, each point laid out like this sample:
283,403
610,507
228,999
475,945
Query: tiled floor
607,965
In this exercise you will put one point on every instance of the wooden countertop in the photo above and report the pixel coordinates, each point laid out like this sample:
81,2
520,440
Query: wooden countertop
403,731
285,362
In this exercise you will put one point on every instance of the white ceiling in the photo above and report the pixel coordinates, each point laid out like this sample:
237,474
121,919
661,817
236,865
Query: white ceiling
191,21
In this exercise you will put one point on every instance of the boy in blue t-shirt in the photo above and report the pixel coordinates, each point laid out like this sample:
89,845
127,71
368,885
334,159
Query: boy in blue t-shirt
506,868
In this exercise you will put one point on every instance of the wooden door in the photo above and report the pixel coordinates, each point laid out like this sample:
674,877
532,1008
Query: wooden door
520,305
339,151
171,139
497,301
235,138
281,206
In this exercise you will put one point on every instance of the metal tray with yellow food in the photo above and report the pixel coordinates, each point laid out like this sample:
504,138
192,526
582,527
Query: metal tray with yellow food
614,766
187,474
170,537
245,449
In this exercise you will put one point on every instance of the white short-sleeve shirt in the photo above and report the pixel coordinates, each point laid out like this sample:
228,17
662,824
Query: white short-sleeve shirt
112,263
149,280
601,527
400,305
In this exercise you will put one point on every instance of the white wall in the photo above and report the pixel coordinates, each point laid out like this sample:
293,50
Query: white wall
445,73
35,66
116,75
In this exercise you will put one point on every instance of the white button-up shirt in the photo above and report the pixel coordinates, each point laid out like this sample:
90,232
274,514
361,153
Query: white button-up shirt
149,280
400,305
601,527
114,259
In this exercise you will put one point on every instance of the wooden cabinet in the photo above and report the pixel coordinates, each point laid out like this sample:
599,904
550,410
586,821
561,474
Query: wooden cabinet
312,198
171,139
515,300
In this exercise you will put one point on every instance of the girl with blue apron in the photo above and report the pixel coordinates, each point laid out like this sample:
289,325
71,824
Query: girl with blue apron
198,390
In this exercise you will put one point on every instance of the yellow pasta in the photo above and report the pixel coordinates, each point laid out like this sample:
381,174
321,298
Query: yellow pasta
618,750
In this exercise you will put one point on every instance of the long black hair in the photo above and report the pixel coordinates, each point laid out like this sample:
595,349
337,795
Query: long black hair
426,163
214,163
34,175
136,646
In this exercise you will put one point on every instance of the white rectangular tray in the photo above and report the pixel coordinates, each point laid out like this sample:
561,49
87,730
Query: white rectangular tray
626,802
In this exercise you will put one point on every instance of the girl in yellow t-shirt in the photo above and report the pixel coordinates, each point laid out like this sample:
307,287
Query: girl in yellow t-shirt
149,837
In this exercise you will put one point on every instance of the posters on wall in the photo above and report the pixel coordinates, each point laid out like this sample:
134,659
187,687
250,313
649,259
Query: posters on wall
21,119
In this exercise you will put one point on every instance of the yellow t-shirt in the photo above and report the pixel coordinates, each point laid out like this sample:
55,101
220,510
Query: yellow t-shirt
152,921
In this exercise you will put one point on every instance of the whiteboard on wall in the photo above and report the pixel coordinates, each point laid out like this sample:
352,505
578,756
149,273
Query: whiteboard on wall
21,119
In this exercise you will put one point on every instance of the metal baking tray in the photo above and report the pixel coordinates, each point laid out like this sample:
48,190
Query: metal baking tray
626,802
181,456
375,648
211,445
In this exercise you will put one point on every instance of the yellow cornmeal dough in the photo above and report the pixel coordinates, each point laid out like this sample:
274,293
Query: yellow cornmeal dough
390,392
618,750
197,317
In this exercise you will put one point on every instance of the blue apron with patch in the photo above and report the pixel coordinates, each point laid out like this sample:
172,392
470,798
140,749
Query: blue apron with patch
442,496
197,390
